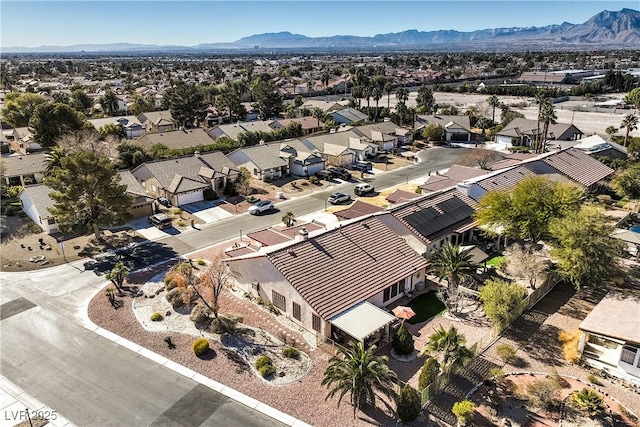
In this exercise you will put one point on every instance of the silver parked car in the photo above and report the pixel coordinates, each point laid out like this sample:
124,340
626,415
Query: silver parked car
336,198
261,206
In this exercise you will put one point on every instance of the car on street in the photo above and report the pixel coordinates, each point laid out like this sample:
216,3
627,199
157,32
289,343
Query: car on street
362,166
362,189
341,173
261,206
324,174
337,198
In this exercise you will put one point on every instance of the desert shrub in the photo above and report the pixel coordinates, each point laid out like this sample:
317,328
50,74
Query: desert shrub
418,190
224,324
176,211
464,411
264,365
506,352
174,296
209,194
594,380
170,281
290,352
496,372
156,317
409,404
543,394
403,341
570,345
429,373
200,346
588,401
13,191
252,199
313,179
605,199
200,313
180,223
200,261
272,308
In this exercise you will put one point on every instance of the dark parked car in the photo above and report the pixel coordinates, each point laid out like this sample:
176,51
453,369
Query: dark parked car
164,202
324,174
362,166
341,173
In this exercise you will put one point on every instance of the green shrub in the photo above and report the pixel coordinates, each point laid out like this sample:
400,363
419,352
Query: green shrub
594,380
313,179
506,352
429,373
403,343
200,261
409,404
588,401
267,370
156,317
180,223
464,411
290,352
496,372
14,191
176,211
252,199
209,194
200,346
262,361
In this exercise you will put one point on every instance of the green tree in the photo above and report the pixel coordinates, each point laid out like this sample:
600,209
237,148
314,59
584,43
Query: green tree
112,129
429,372
583,248
19,107
500,299
361,374
434,132
409,404
526,211
131,155
268,98
87,194
464,411
402,95
627,183
547,116
494,103
109,103
453,264
50,121
117,275
630,123
187,104
425,100
451,347
403,343
142,104
633,98
483,123
81,101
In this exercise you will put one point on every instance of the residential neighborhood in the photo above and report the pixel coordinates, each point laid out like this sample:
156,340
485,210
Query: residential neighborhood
320,238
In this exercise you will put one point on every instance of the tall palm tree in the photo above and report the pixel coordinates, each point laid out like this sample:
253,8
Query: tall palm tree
402,95
318,113
547,116
451,346
482,123
630,123
376,94
541,98
388,88
363,375
454,265
494,103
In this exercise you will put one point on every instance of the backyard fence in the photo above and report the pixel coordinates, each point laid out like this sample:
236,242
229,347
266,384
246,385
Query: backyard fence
489,338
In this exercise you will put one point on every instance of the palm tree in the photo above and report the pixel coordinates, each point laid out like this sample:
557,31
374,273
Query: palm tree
482,123
547,116
494,103
54,160
402,95
363,375
376,94
388,87
451,346
318,113
288,219
541,98
454,265
630,123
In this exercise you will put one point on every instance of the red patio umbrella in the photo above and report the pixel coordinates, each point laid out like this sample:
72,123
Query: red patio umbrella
403,312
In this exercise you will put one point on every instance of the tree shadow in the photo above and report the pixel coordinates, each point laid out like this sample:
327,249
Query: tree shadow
208,355
548,348
133,258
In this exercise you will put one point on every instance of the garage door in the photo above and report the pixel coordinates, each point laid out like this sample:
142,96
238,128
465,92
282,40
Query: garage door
387,146
312,169
196,196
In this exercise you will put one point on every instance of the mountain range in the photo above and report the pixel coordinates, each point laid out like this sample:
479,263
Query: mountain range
607,29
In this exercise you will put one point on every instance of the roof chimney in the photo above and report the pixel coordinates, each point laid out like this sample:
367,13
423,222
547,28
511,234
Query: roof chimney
304,233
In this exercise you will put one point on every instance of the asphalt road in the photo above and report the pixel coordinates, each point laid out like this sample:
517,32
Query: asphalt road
93,382
431,160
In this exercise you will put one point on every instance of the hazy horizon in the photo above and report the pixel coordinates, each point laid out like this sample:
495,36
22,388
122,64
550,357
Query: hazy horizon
32,24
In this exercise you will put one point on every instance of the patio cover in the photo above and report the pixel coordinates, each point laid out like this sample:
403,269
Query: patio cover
477,254
626,236
362,320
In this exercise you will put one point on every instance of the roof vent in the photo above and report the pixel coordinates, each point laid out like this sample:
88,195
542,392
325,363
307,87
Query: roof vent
304,233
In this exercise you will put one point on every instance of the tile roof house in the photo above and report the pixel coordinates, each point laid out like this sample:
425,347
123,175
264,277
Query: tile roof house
24,169
356,210
457,128
130,125
451,178
386,134
522,131
309,124
157,121
595,146
349,116
341,148
183,180
176,139
233,130
401,196
279,234
610,335
323,275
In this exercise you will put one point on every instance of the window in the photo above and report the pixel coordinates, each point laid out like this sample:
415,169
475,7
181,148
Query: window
315,322
296,311
279,301
393,290
628,354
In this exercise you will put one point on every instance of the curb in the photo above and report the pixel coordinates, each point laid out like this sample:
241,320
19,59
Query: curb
195,376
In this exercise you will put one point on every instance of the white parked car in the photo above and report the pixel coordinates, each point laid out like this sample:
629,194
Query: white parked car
261,206
362,189
336,198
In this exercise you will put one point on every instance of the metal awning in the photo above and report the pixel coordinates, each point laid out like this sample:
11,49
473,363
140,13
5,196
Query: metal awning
626,236
477,254
362,320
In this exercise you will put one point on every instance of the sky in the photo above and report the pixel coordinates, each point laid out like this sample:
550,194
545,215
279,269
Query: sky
28,23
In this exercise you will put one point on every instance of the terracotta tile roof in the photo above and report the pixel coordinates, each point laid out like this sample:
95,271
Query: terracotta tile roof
439,182
401,195
506,179
436,215
462,173
294,231
244,250
578,166
276,235
504,163
358,209
347,265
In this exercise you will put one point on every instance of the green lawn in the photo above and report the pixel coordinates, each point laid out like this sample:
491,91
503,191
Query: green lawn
426,306
495,259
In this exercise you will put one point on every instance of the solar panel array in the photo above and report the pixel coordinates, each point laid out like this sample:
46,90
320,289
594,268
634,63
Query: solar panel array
429,221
